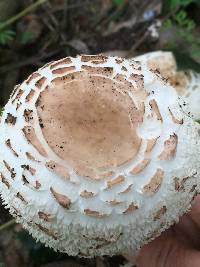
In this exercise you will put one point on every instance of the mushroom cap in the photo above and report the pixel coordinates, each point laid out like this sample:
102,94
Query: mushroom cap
187,83
97,157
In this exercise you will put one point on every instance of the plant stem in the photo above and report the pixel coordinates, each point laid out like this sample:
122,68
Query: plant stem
21,14
7,225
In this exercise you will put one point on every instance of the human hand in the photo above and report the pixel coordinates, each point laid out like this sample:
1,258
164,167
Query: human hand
177,247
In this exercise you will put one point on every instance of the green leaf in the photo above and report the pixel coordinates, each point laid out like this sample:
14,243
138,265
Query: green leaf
170,5
117,2
26,37
185,61
6,36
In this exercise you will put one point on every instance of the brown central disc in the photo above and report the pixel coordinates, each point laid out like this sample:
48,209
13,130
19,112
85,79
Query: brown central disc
87,123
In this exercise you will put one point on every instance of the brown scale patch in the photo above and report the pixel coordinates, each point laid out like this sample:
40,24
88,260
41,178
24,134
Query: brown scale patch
44,216
16,212
128,189
118,180
155,109
174,119
11,170
30,95
94,213
179,183
47,231
18,105
18,95
61,62
63,200
150,144
169,148
136,65
160,213
63,70
4,180
59,81
32,77
58,169
119,78
19,195
87,194
93,118
119,60
15,90
132,207
40,82
24,179
29,168
114,202
8,143
28,115
31,137
155,182
138,79
123,68
87,58
10,119
141,166
193,188
37,184
106,71
96,62
31,157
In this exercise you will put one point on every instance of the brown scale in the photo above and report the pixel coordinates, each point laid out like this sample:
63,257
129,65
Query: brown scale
68,78
128,189
155,182
37,184
10,119
31,157
47,231
138,79
15,90
155,109
118,180
63,70
63,200
150,144
94,213
4,180
19,195
174,119
40,82
179,183
160,213
30,95
141,166
132,207
169,150
87,194
28,115
119,60
18,95
58,169
106,71
87,58
32,77
66,60
8,143
31,137
44,216
10,169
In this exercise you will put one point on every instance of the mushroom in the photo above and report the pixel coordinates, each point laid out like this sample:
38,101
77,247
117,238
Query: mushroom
187,83
97,157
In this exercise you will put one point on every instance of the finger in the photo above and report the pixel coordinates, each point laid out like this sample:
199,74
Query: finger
195,211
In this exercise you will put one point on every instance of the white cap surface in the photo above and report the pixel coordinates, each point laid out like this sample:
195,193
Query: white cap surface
97,157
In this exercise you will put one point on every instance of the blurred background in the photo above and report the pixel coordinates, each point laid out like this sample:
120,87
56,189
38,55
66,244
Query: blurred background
35,32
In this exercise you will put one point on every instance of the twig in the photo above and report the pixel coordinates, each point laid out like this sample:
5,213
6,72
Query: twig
7,225
21,14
